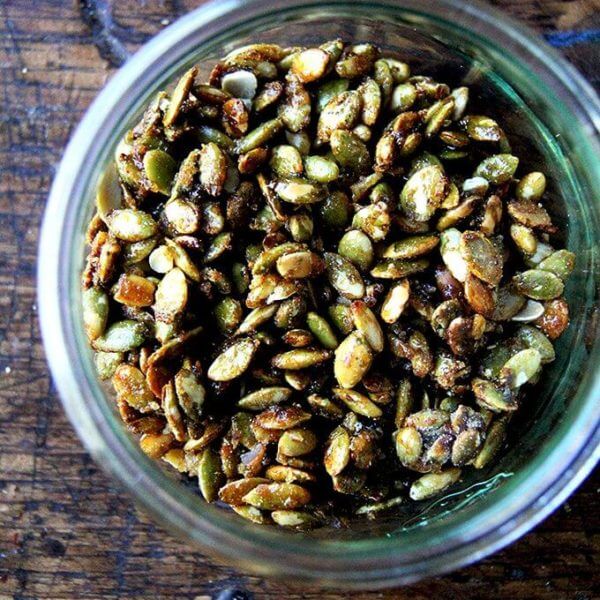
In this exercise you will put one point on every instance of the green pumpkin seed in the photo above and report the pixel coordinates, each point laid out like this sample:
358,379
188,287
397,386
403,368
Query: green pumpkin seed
532,337
321,169
358,403
295,111
350,151
561,263
298,265
395,301
403,97
341,316
121,336
412,247
160,169
521,367
357,248
538,284
132,225
397,269
337,452
310,64
341,112
256,318
321,330
423,193
228,313
335,210
277,496
264,397
259,136
95,312
343,276
494,440
301,227
370,94
293,518
409,445
299,191
297,442
433,484
367,324
234,361
483,129
171,296
329,90
286,161
209,475
180,94
531,187
497,169
493,397
109,196
481,256
374,220
191,394
300,358
353,358
107,363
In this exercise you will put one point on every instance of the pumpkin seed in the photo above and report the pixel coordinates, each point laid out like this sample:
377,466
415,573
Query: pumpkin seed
395,301
121,336
423,193
538,284
481,256
95,312
337,452
341,112
497,169
367,324
297,442
397,269
234,361
374,220
300,358
353,359
171,296
293,518
264,397
299,191
412,247
320,169
531,187
335,210
321,330
310,64
277,496
350,151
132,225
433,484
357,248
344,276
298,179
160,169
561,263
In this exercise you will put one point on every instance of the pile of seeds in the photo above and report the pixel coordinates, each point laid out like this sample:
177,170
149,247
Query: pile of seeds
319,283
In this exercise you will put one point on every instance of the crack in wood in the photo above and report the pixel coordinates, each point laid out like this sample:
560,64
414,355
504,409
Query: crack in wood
97,15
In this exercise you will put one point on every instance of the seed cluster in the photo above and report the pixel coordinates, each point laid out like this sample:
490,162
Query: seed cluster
318,282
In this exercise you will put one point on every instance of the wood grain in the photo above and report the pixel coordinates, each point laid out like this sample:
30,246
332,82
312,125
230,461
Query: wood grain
66,531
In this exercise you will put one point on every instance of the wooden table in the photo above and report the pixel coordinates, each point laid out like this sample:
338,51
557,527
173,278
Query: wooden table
66,531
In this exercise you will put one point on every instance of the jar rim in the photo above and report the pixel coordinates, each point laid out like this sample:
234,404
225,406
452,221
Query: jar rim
349,564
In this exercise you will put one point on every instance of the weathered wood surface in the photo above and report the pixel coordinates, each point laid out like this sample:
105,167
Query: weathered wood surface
66,531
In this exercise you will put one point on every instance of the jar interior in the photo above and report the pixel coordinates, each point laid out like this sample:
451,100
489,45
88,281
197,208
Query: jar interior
535,132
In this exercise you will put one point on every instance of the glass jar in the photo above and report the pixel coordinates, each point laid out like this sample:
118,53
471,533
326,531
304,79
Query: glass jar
552,117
